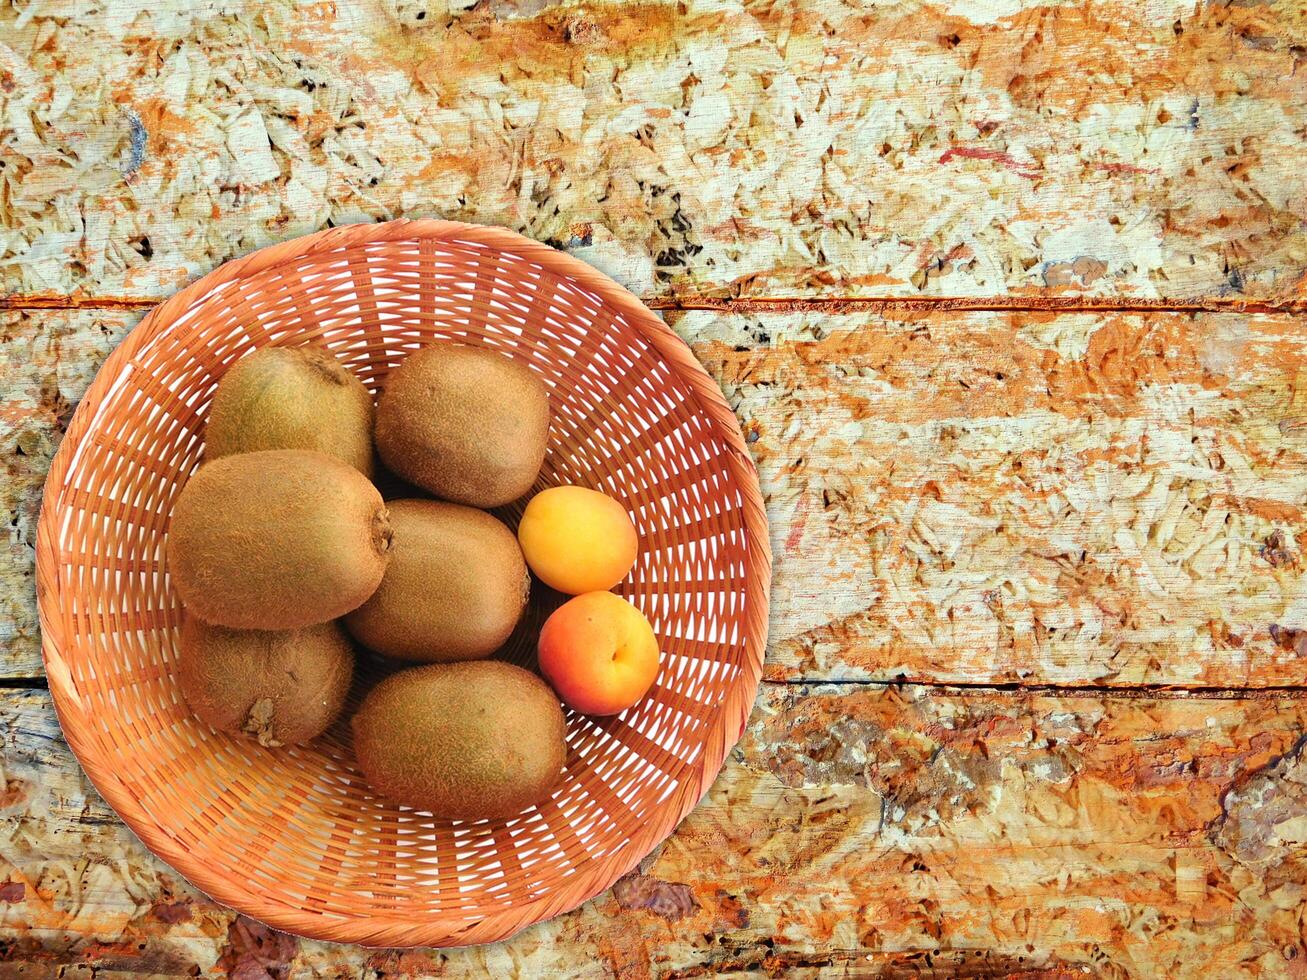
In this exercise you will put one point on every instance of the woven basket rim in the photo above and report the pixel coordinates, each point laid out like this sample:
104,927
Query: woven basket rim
83,735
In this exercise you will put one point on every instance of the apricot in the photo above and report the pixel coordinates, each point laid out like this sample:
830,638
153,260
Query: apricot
599,653
577,540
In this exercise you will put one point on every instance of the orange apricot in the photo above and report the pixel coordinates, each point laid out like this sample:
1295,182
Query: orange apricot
599,653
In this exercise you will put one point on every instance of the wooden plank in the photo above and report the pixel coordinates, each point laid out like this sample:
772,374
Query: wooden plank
1020,497
856,831
765,147
49,360
979,497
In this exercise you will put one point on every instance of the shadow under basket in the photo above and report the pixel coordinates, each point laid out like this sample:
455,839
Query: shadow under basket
294,836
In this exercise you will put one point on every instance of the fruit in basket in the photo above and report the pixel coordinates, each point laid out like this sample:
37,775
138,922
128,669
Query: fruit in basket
466,741
281,686
454,589
599,652
577,540
291,398
277,540
467,425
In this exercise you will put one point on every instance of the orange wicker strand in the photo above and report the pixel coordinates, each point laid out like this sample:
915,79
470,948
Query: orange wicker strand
294,836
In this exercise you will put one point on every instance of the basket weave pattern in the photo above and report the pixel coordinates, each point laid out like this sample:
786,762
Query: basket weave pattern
295,836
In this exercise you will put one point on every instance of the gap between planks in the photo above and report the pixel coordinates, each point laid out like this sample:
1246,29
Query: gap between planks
834,305
963,689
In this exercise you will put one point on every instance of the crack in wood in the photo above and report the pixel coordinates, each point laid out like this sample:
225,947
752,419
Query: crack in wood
51,301
24,683
836,305
1020,689
962,688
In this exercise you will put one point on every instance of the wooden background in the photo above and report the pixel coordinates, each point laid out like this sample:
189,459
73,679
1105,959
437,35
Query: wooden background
1009,296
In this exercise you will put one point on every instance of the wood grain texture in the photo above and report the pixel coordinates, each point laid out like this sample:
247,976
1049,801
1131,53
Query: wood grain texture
857,831
1103,497
1098,498
740,147
1106,498
48,360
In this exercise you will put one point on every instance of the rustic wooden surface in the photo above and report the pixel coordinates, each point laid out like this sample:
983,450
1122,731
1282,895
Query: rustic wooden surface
732,147
856,830
1008,295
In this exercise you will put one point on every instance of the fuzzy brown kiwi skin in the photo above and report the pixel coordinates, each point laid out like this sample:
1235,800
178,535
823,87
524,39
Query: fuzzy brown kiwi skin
292,398
468,425
278,539
454,589
281,687
467,741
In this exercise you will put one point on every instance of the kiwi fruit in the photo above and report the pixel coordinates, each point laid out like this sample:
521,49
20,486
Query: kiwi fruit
454,589
277,540
469,741
291,398
467,425
281,686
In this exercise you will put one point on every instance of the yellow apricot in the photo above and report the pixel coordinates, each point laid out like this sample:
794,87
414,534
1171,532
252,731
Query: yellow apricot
577,540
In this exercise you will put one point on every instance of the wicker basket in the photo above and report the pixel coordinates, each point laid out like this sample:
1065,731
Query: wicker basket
294,836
